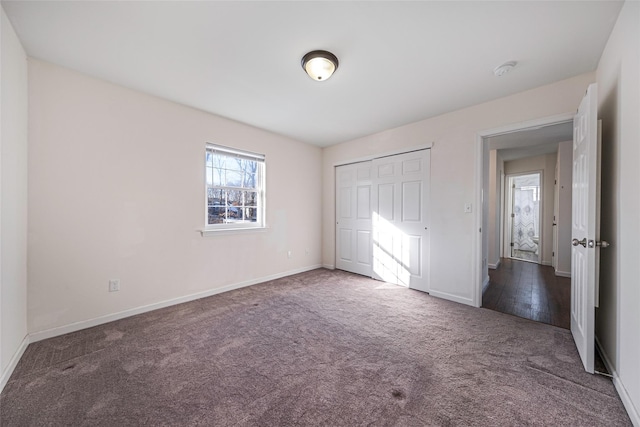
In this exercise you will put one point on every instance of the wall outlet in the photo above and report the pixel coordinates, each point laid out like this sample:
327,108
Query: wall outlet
467,208
306,251
289,254
114,285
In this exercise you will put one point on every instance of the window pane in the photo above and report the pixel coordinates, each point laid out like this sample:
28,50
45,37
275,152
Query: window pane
215,197
209,159
216,215
249,180
209,176
251,214
234,203
250,198
218,161
235,164
234,197
234,178
218,176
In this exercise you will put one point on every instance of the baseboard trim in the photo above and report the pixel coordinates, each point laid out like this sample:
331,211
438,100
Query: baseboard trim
485,284
329,266
4,379
546,263
632,411
451,297
494,266
84,324
563,273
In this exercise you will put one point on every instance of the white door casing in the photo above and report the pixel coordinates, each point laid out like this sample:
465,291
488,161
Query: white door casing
556,205
353,218
585,227
400,219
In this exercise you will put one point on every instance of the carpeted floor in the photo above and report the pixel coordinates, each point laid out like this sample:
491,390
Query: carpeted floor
319,348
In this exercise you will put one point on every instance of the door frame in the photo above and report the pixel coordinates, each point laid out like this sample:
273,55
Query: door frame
554,224
479,255
508,208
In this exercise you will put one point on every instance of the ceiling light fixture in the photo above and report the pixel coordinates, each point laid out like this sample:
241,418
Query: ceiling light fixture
319,64
503,69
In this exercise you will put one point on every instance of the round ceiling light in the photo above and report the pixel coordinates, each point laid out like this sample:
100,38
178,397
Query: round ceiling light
503,69
319,64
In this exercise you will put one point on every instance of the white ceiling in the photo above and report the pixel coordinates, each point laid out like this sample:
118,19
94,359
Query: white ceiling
400,62
531,142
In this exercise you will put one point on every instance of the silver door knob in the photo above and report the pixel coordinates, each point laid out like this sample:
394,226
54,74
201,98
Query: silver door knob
576,242
602,244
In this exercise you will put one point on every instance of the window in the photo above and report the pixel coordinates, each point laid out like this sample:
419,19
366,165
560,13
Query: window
235,188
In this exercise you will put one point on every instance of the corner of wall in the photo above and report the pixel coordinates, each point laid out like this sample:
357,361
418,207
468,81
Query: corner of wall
13,199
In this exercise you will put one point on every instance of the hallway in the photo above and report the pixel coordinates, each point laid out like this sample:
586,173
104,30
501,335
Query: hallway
529,290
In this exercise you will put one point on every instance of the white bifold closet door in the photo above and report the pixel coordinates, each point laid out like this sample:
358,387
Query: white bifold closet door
382,219
353,218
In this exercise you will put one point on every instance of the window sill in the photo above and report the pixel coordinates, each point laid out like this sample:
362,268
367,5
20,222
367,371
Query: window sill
223,231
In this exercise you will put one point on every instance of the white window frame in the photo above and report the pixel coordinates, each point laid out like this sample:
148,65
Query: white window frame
260,222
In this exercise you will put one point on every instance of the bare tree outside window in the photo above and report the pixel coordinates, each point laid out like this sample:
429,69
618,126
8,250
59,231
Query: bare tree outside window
234,193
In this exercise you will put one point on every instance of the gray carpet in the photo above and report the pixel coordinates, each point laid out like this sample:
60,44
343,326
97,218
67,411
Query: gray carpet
319,348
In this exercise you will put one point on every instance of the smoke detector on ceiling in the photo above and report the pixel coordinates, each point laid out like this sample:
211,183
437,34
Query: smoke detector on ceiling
503,69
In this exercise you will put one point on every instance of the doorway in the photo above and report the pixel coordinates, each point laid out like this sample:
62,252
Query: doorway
497,149
524,209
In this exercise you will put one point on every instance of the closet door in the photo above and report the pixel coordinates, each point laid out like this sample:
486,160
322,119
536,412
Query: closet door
353,218
400,219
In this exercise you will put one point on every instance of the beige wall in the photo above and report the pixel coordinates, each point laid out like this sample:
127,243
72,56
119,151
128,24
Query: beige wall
496,170
13,199
453,174
565,172
618,318
546,164
117,192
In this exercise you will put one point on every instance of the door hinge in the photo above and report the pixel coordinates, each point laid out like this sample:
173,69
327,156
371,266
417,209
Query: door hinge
513,215
511,244
553,254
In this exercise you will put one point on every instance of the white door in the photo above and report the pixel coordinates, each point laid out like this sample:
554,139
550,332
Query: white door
353,218
585,227
400,198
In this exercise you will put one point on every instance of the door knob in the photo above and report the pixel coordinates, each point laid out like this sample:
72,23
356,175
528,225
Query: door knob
603,244
576,242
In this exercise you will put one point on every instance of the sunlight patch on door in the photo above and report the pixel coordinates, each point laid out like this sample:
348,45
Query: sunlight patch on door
391,252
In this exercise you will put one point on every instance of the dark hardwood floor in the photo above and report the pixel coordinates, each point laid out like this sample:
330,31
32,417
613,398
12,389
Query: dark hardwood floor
529,290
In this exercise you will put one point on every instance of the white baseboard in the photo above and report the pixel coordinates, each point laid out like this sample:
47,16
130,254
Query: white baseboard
546,263
6,374
329,266
632,411
84,324
451,297
494,266
563,273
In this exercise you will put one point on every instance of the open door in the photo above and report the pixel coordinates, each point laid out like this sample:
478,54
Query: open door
585,230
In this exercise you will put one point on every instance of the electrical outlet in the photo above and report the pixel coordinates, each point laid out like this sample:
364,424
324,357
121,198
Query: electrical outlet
467,208
289,254
114,285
